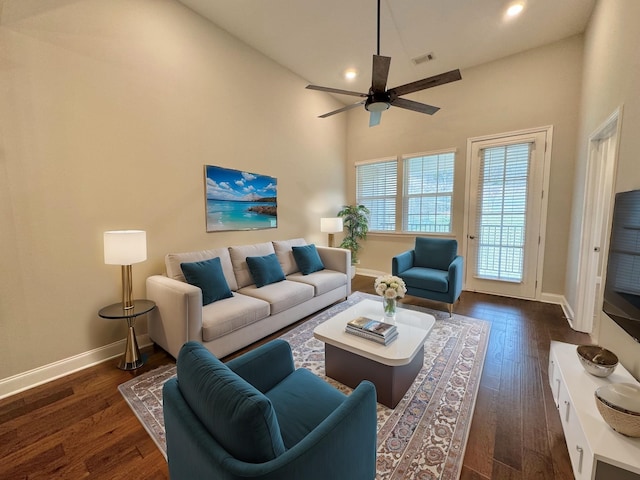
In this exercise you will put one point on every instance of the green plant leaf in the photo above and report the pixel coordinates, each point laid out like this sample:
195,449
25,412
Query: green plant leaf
356,220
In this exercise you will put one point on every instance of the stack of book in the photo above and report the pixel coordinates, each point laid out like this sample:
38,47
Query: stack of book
380,332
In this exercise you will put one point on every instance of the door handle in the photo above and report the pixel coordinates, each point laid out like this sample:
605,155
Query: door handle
581,453
472,237
596,249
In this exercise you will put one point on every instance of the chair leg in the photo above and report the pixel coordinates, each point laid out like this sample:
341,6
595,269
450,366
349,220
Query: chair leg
450,310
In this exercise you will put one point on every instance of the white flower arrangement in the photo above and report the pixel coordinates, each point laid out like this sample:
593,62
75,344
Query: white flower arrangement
390,286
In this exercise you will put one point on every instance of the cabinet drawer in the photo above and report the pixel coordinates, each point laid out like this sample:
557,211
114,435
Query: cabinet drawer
579,451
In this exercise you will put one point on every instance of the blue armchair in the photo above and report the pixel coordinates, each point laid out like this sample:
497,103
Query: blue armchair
258,417
432,270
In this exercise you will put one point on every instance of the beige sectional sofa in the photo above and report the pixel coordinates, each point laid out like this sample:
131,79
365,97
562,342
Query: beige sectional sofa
251,313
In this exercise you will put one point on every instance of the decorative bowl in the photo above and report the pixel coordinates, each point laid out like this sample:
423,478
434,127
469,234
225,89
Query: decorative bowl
597,360
619,405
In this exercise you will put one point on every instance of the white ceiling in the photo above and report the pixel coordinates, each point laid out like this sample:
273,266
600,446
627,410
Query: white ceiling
320,39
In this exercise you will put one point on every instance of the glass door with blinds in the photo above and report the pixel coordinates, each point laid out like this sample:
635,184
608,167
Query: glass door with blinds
505,200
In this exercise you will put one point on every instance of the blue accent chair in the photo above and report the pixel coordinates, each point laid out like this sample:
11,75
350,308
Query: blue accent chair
258,417
432,270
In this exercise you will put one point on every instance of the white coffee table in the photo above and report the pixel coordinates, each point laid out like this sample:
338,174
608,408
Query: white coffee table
392,368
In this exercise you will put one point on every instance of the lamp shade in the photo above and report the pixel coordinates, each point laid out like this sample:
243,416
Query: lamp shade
331,225
125,247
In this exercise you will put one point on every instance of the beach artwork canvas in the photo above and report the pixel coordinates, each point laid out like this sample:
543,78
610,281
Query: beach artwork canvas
238,200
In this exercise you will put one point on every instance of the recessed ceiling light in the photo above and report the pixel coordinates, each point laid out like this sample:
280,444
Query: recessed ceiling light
515,9
350,74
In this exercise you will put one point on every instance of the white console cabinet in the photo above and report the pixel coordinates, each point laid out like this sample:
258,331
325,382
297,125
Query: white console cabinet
597,451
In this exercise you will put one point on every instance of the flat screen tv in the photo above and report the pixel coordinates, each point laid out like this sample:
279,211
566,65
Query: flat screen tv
622,286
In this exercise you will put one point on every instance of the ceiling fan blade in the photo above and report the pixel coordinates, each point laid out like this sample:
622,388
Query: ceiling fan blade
336,90
434,81
415,106
343,109
380,73
374,118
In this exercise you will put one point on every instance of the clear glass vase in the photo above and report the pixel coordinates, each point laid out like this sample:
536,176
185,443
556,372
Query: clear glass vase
390,308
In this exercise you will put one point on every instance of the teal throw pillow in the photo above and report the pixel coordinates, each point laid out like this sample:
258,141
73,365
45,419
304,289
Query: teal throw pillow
307,259
209,277
265,270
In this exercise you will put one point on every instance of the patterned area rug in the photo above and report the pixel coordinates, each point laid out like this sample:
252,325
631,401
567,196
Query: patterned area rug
423,438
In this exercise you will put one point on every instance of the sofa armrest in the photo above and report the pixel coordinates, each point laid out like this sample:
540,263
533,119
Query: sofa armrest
347,438
178,316
402,262
266,366
338,259
456,272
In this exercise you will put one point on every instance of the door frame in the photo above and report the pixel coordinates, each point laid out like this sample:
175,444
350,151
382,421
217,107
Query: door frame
582,320
548,131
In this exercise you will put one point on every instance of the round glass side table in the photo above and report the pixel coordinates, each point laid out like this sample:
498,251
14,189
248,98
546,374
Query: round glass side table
131,359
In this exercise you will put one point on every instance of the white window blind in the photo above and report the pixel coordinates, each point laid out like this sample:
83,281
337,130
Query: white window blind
428,190
502,209
376,189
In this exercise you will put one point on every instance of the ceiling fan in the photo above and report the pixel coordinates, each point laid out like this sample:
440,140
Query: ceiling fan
380,99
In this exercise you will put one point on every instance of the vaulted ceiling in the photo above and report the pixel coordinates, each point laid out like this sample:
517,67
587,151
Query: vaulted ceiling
320,39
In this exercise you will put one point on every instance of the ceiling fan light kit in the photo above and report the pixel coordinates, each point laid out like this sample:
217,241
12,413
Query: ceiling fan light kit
380,99
377,103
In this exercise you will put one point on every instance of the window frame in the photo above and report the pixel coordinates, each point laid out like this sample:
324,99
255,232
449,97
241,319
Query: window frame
406,196
400,192
362,200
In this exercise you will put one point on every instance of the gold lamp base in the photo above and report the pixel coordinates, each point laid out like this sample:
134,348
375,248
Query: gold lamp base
131,359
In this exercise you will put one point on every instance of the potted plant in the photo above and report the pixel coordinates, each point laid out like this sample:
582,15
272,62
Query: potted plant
356,221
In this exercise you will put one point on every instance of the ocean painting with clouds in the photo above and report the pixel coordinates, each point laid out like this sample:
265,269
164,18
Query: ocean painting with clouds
238,200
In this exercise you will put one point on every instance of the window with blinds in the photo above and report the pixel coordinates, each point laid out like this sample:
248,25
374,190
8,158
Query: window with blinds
428,192
376,189
502,209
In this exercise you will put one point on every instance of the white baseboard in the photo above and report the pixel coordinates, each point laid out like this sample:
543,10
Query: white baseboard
562,301
38,376
568,313
552,298
370,273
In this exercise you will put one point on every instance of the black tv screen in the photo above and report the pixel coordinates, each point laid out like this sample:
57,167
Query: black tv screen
622,287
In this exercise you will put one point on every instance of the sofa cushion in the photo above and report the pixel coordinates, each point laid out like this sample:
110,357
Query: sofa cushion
435,253
231,314
239,256
265,270
285,254
323,281
282,295
301,402
427,279
235,413
209,277
307,259
173,260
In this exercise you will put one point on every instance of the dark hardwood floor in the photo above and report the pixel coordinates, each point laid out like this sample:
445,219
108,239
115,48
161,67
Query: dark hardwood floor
79,426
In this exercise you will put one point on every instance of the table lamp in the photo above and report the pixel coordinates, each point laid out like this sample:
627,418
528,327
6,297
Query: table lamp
331,225
125,247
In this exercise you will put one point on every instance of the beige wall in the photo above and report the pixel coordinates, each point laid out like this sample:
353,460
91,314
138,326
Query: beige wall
537,88
108,111
611,79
